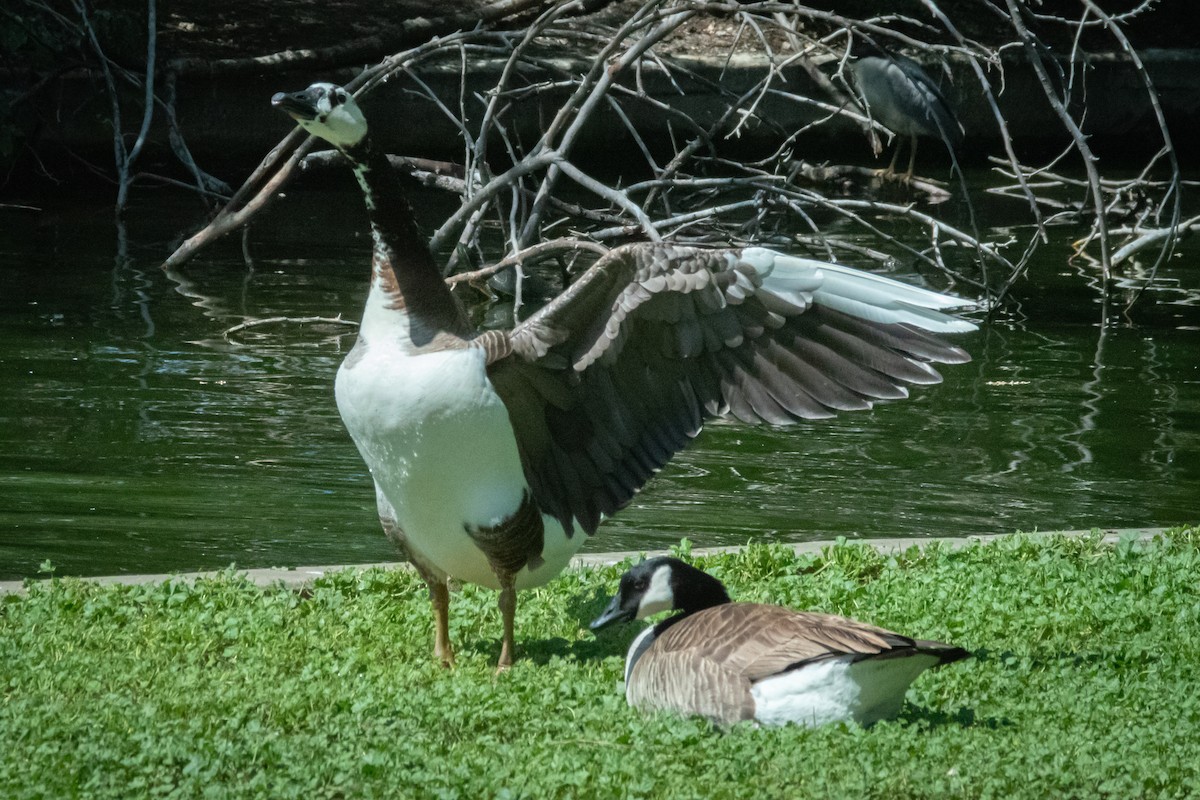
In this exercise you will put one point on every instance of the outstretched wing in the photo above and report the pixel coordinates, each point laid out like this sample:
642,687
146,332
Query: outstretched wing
617,374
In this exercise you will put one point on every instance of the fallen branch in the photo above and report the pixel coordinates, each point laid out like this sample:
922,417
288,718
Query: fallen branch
696,193
255,323
533,253
412,31
229,220
873,178
1147,238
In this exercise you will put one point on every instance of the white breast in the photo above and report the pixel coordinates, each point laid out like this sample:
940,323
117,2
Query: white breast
440,447
636,649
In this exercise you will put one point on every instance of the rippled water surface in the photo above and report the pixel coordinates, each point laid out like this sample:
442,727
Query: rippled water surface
136,437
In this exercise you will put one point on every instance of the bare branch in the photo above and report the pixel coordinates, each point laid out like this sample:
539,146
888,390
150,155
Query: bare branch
536,252
698,193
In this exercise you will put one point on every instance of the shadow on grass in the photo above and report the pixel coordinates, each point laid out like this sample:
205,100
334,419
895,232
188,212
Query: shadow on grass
1010,660
590,648
923,717
542,651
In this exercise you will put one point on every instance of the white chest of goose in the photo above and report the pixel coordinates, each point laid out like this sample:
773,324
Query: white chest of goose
734,662
495,454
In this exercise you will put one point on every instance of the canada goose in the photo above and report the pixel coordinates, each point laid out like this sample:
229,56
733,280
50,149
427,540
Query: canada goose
494,452
745,661
900,96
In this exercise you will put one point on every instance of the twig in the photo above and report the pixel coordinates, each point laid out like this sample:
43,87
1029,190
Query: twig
534,253
254,323
1146,238
1089,160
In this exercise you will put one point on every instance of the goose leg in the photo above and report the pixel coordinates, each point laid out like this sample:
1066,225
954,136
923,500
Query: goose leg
439,591
439,596
508,610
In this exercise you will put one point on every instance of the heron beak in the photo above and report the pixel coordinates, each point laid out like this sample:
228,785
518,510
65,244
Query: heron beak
300,106
614,613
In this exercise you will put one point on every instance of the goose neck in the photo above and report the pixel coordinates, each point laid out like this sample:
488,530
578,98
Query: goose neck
404,277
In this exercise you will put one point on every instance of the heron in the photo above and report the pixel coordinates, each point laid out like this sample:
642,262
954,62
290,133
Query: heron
902,97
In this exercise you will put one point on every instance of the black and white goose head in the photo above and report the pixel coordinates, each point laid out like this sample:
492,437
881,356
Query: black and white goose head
661,584
326,111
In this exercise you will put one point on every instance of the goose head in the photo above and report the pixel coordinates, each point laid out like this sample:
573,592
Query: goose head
327,111
661,584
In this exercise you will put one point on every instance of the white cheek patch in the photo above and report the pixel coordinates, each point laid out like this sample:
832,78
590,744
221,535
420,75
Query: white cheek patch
341,126
658,596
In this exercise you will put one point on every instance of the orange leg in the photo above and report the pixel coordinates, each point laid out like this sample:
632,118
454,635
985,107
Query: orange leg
508,611
439,596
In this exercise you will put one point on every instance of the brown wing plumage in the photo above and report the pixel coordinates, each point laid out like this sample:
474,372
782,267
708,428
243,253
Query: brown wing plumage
618,373
707,663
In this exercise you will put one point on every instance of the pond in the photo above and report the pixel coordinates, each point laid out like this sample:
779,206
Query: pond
136,437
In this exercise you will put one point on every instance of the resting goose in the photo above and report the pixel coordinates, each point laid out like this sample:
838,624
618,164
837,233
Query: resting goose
496,453
731,662
900,96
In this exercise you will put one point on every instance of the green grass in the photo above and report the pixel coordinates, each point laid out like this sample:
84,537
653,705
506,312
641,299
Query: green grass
1084,685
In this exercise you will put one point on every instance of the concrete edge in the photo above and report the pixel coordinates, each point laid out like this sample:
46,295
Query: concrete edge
298,577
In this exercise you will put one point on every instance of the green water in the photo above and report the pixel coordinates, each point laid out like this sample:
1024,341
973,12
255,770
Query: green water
134,437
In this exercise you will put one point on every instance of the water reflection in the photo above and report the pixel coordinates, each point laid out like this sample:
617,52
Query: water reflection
137,437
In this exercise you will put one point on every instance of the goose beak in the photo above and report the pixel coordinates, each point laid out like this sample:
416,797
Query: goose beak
297,105
614,613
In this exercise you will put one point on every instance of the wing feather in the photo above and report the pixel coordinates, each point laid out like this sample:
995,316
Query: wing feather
607,382
758,641
708,688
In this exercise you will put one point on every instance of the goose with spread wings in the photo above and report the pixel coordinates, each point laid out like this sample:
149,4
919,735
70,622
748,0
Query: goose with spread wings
496,453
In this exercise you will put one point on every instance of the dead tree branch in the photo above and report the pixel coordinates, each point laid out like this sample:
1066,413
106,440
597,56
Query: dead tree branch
689,189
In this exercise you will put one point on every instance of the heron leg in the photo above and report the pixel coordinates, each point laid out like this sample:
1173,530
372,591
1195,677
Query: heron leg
912,158
508,611
891,167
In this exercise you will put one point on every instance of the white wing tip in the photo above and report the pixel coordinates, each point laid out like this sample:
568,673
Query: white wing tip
865,295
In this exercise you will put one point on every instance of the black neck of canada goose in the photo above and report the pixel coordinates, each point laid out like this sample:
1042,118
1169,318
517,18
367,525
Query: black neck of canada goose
694,589
403,268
